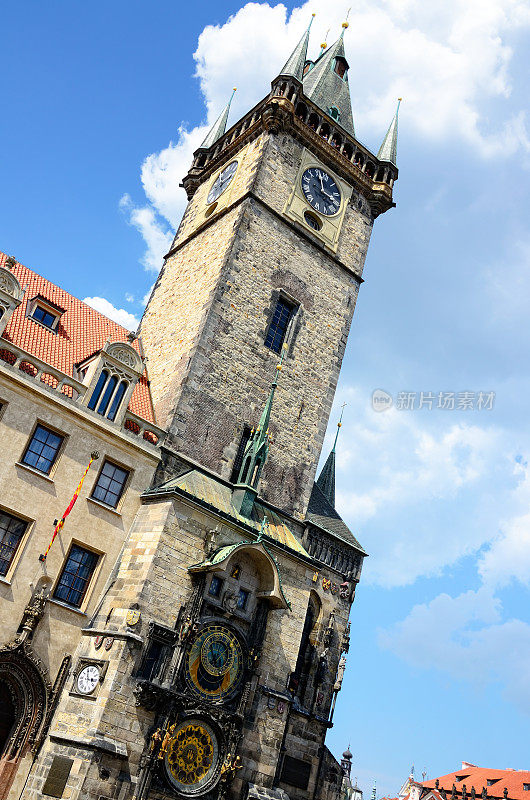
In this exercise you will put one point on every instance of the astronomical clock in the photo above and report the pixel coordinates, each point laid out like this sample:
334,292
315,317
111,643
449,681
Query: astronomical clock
197,677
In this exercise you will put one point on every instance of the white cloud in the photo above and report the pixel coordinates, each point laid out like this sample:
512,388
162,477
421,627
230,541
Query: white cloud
466,637
119,315
420,490
449,59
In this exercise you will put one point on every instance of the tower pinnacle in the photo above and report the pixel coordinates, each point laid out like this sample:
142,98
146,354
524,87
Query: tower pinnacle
388,149
326,479
219,126
326,84
295,62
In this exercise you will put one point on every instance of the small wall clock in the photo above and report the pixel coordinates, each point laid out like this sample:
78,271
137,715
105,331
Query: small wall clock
222,182
88,679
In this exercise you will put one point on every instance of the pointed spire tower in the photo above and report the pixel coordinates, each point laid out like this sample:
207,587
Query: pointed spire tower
388,150
255,454
294,67
219,126
326,83
326,479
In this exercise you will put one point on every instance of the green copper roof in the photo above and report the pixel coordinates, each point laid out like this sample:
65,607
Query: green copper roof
388,150
219,126
295,62
326,479
207,489
328,90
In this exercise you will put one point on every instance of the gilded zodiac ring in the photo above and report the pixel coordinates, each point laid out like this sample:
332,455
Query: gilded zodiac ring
191,754
217,654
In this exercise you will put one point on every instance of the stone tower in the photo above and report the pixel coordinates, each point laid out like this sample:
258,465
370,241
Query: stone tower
212,665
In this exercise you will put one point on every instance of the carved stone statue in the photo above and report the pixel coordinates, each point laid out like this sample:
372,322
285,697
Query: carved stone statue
340,674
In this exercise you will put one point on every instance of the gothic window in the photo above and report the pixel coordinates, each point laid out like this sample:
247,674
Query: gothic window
283,314
107,395
157,653
110,484
75,576
245,436
12,530
42,449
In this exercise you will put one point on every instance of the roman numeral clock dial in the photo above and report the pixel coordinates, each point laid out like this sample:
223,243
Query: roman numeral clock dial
321,191
222,182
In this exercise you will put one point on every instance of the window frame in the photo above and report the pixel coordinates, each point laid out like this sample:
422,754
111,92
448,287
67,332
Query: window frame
19,549
281,297
124,487
90,583
53,466
48,307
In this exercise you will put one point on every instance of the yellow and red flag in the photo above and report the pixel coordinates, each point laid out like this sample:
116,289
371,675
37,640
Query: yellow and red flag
59,525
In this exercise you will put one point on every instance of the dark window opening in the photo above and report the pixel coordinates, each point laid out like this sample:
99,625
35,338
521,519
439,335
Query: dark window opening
216,585
283,313
245,436
116,402
242,599
44,317
307,67
107,394
312,221
12,530
295,772
526,787
42,450
245,471
92,403
110,484
340,67
153,659
334,112
76,575
7,715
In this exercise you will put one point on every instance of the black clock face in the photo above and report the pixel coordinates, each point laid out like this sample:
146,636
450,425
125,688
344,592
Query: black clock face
222,182
321,191
214,663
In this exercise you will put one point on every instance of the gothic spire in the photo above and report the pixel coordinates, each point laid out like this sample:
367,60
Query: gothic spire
257,448
388,150
326,479
219,126
326,84
295,62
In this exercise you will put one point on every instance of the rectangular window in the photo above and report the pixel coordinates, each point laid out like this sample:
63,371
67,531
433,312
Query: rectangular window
242,599
76,575
44,316
245,436
215,586
296,772
110,484
526,787
12,530
42,450
281,318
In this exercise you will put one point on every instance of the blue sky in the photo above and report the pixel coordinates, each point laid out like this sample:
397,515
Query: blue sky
102,107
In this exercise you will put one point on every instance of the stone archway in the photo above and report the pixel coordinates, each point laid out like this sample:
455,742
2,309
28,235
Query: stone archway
24,694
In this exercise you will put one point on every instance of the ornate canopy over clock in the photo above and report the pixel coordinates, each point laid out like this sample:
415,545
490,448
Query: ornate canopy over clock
214,662
321,191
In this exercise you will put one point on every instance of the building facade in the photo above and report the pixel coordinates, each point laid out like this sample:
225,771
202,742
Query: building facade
211,662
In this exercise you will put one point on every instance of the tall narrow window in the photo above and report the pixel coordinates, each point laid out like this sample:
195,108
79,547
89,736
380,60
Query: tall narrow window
110,484
245,436
107,394
42,449
283,313
102,380
12,530
76,575
116,402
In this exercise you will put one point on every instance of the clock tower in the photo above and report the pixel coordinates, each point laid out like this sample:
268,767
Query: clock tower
212,665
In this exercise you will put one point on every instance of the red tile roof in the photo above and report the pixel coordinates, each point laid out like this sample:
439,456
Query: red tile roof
81,332
511,779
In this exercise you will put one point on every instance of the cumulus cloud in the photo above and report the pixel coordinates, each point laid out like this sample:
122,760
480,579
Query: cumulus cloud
449,59
466,637
119,315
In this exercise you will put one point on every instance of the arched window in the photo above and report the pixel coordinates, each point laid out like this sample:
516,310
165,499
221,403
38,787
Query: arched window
334,113
300,677
107,394
116,401
92,403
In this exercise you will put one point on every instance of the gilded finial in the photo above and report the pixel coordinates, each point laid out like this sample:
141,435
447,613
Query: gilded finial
325,42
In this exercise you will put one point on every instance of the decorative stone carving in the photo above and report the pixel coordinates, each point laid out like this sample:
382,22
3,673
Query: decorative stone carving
126,354
10,285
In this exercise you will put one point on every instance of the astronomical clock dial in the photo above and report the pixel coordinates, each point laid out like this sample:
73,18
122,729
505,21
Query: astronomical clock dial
191,756
321,191
222,182
88,678
214,663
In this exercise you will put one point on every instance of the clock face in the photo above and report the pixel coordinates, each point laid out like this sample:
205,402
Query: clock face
191,756
222,182
214,663
88,678
321,191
